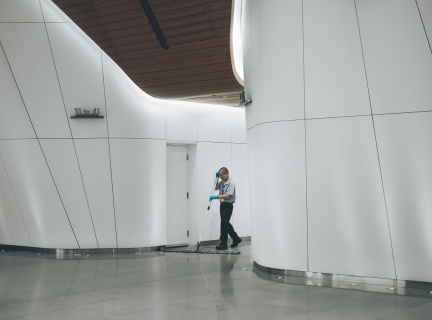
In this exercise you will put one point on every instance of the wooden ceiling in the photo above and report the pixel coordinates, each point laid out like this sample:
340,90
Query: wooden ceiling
196,67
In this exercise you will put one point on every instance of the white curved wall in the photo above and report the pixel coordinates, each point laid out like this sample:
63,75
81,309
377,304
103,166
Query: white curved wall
339,129
92,183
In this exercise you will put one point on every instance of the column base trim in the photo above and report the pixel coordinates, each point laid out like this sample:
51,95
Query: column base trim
329,280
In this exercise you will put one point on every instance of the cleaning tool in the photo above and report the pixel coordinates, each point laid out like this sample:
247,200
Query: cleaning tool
164,249
208,210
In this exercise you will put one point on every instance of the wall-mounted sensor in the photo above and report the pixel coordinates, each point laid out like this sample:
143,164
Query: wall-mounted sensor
243,101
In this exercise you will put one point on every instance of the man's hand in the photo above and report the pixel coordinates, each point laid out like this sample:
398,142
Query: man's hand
213,198
217,174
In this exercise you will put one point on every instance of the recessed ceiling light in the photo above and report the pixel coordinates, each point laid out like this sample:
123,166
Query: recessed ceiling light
243,269
391,288
353,284
279,277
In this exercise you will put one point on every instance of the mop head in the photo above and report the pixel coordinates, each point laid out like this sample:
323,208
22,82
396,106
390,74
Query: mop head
163,249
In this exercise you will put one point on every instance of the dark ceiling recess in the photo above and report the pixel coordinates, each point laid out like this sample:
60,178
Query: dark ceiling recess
155,25
197,66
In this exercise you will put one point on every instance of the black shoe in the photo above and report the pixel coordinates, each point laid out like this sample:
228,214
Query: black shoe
221,247
236,242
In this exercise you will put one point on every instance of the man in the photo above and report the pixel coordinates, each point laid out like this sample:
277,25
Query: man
227,197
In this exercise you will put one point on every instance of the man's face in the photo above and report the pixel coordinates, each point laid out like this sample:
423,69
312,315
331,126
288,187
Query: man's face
223,176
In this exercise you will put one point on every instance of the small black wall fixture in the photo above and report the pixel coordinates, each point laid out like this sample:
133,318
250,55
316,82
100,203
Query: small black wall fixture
243,101
155,25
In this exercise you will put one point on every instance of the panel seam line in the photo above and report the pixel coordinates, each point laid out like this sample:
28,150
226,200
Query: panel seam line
109,149
70,130
376,140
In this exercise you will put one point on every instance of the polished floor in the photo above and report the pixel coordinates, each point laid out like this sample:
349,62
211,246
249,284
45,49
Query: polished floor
178,286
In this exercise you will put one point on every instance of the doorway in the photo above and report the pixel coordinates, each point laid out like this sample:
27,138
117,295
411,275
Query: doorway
177,194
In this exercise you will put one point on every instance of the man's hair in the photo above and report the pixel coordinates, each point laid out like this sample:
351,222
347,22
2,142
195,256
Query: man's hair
224,170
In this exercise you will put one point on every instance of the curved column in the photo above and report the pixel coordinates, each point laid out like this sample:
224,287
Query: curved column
326,79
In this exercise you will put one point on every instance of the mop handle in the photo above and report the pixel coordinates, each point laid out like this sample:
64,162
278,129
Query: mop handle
208,210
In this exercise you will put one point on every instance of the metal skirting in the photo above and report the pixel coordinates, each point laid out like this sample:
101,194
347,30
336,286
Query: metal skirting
67,253
328,280
105,252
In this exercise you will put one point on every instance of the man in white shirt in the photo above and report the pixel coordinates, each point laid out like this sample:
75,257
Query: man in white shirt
227,197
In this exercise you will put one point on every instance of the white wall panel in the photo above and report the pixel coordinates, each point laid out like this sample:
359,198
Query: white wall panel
254,200
348,227
406,157
282,191
251,42
52,13
238,123
280,61
62,161
425,7
12,226
397,54
79,67
20,11
182,121
28,51
214,123
334,71
239,173
131,113
139,179
37,196
210,157
14,120
94,159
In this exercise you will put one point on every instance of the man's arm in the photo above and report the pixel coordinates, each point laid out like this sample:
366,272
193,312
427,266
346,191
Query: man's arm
217,185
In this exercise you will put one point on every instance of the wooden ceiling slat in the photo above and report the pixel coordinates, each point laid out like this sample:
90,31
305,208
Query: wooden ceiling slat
196,93
115,29
190,78
162,16
126,7
162,59
191,63
170,34
186,85
133,57
153,43
125,35
197,66
181,72
72,7
192,91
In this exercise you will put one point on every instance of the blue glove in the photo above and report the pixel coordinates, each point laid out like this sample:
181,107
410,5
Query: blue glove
213,198
217,174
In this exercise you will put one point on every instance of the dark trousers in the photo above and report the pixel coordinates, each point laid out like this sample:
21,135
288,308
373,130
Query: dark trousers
226,210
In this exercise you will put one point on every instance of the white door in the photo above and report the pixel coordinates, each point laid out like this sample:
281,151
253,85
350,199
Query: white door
177,194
